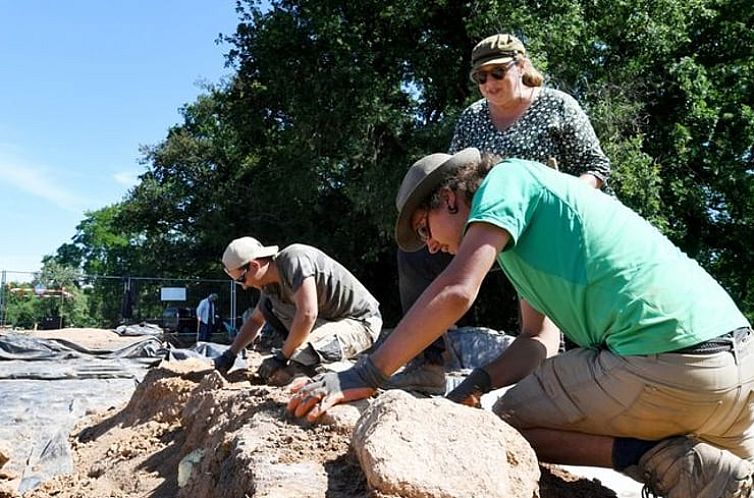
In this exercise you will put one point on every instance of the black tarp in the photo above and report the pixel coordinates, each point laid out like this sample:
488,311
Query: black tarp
47,385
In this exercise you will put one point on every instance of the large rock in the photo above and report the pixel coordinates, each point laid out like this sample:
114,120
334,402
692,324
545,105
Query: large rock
248,465
412,447
5,453
343,418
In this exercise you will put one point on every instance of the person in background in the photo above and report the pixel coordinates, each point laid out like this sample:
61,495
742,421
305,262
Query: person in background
517,116
205,318
661,383
322,311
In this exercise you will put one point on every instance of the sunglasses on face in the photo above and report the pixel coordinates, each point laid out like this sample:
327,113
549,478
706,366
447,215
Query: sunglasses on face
241,279
497,73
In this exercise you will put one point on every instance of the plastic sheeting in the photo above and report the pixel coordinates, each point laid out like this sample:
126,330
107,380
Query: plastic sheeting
204,351
47,385
50,359
472,347
139,329
38,416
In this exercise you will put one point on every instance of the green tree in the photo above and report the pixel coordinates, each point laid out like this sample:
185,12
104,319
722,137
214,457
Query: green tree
22,306
101,247
67,300
332,101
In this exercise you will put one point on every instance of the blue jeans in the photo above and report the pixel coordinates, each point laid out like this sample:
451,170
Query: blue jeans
205,331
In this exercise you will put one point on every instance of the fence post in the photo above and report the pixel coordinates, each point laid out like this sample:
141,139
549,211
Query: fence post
3,304
233,305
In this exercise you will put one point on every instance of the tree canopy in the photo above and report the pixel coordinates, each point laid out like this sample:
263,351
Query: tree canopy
332,101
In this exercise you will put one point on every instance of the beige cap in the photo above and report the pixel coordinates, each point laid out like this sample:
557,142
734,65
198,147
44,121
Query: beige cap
242,250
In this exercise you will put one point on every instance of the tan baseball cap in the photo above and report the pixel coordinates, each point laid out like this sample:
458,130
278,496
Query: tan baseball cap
242,250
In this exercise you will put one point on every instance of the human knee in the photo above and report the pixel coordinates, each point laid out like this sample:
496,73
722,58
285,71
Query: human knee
503,409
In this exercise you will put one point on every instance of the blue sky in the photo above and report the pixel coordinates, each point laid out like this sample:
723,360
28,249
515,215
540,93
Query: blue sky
84,84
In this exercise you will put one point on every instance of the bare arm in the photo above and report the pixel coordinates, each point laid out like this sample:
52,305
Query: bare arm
248,332
441,304
445,300
591,180
539,339
305,317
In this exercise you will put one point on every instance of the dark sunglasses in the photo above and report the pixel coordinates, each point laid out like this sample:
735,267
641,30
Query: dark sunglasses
241,279
498,73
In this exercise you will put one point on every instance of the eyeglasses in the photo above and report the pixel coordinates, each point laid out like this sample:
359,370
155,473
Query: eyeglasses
241,279
497,73
423,231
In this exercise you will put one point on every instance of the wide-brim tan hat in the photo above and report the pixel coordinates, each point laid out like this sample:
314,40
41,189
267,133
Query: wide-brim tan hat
421,180
242,250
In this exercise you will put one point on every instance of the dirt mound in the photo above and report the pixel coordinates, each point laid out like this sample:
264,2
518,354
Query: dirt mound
238,436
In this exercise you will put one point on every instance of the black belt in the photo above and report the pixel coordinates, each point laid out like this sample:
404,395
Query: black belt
723,343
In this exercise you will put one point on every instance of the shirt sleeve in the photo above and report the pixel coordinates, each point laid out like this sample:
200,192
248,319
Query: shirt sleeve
507,198
299,266
580,145
459,140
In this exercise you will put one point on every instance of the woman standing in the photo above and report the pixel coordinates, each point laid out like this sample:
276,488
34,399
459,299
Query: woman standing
518,117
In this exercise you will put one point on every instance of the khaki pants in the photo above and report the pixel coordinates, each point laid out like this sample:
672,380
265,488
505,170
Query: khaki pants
331,341
647,397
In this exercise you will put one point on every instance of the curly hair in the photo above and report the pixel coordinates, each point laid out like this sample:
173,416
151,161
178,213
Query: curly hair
464,180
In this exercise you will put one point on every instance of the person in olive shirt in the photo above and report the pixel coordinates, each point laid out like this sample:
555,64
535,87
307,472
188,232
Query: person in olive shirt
324,313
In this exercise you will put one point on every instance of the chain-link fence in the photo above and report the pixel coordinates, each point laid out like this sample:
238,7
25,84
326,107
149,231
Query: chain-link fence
27,301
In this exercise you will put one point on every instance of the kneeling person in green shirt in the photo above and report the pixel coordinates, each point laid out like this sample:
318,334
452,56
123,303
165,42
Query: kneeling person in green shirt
322,310
660,387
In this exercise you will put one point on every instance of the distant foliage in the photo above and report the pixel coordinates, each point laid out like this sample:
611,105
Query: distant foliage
332,101
59,295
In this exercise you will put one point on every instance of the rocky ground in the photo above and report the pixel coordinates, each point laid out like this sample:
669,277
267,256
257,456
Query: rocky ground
242,443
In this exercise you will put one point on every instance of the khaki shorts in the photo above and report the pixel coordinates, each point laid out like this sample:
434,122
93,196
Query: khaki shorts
647,397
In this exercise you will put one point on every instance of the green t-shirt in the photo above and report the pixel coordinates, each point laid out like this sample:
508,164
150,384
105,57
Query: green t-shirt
602,273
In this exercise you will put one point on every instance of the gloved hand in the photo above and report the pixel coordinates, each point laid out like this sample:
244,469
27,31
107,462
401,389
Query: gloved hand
272,364
225,361
328,389
470,391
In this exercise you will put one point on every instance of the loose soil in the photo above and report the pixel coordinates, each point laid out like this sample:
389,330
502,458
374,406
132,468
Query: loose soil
183,406
89,338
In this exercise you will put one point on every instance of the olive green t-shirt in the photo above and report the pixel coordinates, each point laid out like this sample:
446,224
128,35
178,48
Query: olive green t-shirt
598,270
339,293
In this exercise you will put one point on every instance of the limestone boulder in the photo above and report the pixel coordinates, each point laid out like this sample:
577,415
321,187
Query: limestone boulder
411,447
5,453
